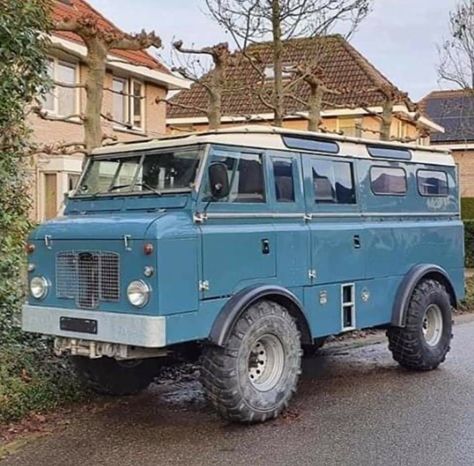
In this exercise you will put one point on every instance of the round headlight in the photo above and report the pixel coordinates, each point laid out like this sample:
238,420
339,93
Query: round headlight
138,293
38,287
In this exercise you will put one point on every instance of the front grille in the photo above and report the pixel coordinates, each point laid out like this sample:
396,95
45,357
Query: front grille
88,277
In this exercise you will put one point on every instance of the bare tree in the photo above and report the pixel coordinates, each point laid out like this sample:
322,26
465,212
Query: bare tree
213,82
99,43
251,21
457,53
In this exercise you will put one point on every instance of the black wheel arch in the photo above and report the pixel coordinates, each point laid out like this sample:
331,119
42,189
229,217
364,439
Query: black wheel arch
243,299
410,281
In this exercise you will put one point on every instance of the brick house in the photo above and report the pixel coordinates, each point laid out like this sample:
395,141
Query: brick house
136,115
454,110
343,69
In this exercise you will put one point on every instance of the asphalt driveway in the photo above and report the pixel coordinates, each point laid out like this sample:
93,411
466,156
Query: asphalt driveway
355,406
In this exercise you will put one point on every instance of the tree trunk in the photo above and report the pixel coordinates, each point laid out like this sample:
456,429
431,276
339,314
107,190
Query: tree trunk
214,113
315,102
96,62
386,121
277,64
214,110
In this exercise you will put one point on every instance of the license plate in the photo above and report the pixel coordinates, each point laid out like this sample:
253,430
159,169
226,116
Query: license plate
73,324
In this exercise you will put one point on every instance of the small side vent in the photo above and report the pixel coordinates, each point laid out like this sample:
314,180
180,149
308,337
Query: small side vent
348,306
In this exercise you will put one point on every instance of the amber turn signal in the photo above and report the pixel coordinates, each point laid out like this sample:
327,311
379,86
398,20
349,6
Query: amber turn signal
30,248
148,249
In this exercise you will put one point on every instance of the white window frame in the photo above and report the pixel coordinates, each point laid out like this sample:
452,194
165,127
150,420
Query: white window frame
77,97
128,123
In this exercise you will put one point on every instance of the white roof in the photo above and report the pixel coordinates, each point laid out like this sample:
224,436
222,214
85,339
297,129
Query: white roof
267,137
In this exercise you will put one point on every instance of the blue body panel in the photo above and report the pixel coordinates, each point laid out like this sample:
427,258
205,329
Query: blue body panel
313,248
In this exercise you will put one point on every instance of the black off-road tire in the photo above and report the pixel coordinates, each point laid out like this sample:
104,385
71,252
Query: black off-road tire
226,373
108,376
408,345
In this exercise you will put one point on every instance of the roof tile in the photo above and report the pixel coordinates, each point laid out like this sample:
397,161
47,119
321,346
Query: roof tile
343,68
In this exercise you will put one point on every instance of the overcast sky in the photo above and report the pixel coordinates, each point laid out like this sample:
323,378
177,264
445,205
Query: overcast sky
399,37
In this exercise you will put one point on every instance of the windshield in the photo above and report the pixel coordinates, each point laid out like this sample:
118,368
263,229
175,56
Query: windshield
152,172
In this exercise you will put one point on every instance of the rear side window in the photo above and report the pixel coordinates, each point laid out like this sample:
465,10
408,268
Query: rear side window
388,181
333,182
284,184
245,172
432,183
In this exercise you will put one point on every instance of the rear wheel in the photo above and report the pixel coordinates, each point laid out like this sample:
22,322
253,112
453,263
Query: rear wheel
254,376
424,342
108,376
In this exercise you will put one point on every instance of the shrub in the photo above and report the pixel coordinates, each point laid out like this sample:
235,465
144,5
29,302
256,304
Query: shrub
467,208
30,377
469,242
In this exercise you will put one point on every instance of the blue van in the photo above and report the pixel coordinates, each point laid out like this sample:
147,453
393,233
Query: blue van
245,246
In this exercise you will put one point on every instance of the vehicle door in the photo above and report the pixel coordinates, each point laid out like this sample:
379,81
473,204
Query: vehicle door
292,233
237,235
337,245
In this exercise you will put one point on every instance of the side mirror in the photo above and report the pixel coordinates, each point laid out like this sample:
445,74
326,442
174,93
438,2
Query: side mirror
218,180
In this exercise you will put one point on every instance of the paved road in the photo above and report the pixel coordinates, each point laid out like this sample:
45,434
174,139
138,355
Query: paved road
355,406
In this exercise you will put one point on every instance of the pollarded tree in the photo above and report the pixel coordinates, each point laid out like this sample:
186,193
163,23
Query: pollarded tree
99,42
251,21
213,82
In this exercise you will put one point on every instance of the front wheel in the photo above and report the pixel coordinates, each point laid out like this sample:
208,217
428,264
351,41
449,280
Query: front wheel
424,341
108,376
254,376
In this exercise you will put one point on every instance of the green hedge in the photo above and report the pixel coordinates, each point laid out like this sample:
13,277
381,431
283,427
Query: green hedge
467,208
469,242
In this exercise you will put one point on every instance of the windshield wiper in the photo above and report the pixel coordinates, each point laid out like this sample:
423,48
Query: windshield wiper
143,185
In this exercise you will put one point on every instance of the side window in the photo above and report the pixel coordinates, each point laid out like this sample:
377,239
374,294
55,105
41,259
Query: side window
245,172
388,181
284,183
333,182
432,183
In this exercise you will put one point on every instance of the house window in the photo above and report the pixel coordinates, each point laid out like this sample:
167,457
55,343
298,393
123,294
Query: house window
128,103
402,129
349,127
62,100
269,72
72,180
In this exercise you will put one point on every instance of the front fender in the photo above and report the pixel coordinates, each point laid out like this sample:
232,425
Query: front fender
242,300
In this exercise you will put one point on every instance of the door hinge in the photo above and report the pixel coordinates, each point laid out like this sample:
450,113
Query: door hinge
203,285
312,274
199,217
127,239
48,241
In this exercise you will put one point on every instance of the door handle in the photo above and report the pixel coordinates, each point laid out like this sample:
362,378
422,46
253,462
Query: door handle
356,241
265,246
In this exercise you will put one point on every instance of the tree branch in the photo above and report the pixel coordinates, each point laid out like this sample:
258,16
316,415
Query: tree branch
183,106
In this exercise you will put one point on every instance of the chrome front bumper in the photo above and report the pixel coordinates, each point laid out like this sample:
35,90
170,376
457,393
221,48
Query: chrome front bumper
111,327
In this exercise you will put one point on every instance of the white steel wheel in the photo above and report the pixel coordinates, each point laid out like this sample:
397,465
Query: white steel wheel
266,362
433,325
